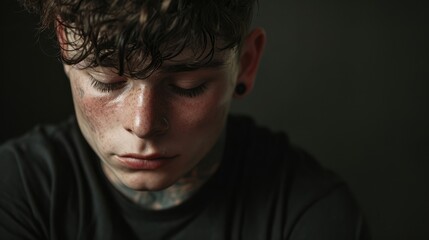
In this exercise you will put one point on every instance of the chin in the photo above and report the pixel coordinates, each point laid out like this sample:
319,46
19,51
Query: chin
148,182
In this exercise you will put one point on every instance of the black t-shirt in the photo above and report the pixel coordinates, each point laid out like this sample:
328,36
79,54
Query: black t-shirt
52,187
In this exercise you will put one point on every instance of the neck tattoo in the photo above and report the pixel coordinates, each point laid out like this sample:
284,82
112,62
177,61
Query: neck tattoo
180,191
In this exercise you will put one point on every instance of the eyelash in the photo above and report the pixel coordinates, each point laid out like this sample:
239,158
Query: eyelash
189,92
105,87
109,87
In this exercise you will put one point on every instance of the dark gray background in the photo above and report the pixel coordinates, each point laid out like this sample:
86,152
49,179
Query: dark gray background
348,80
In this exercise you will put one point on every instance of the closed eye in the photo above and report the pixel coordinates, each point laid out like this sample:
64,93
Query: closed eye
189,92
106,87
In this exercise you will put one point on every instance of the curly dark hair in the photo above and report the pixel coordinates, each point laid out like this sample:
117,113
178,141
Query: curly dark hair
137,36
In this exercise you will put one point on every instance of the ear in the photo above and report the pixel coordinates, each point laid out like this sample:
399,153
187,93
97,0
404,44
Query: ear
250,56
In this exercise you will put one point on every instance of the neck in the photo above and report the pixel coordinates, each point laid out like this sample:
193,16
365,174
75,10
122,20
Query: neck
183,189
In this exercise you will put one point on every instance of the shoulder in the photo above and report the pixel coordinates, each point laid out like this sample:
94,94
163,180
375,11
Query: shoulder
321,204
29,169
302,194
42,156
39,148
277,163
271,153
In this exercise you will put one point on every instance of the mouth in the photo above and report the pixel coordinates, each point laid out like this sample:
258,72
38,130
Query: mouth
144,162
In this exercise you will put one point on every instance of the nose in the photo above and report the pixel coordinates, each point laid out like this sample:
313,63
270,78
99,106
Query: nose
145,116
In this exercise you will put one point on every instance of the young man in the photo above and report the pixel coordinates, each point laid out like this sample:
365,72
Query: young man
152,152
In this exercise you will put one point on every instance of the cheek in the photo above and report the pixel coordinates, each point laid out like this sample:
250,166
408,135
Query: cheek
91,111
208,114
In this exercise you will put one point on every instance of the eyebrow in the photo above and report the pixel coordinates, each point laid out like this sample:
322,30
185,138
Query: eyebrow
186,67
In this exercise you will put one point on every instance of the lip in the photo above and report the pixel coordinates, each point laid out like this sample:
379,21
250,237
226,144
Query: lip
144,162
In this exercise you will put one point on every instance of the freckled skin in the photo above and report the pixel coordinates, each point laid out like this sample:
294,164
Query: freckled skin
130,120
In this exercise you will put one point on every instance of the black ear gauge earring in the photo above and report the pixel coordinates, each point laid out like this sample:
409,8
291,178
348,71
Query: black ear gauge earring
240,89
